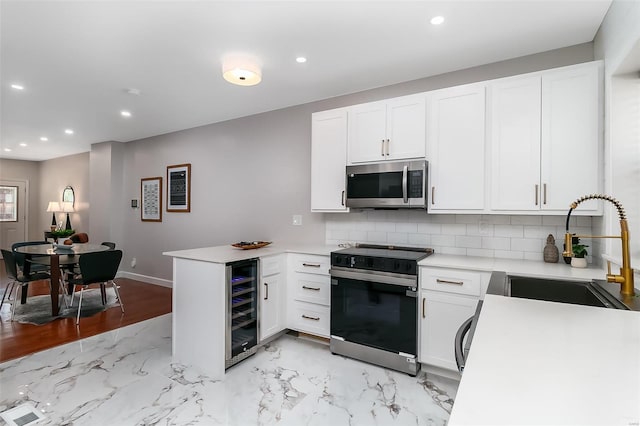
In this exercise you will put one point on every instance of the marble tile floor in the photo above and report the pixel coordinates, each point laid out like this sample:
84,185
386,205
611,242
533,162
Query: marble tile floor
126,377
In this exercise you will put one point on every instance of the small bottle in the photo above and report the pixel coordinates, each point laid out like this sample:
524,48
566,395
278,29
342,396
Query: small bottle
550,252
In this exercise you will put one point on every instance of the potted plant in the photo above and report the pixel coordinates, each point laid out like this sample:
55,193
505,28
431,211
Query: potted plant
62,234
579,259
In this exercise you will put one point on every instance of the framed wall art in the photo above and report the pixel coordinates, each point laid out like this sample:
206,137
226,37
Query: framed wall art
151,199
179,188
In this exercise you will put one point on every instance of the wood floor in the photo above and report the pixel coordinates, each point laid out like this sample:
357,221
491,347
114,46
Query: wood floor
142,301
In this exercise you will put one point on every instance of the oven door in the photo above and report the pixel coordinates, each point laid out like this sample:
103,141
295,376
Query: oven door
375,310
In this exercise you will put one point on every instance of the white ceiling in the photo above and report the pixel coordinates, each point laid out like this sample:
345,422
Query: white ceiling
76,59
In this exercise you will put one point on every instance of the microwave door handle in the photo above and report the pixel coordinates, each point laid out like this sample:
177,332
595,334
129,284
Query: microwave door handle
405,192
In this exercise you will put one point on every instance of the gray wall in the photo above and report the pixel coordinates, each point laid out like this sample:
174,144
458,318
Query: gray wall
250,175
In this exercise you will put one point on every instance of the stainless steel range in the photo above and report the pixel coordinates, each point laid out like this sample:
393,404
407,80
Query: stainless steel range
374,305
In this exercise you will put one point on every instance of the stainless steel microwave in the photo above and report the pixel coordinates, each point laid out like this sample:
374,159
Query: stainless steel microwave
387,185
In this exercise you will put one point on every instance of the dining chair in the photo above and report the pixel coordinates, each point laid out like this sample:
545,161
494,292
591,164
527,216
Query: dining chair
21,257
98,268
23,280
112,246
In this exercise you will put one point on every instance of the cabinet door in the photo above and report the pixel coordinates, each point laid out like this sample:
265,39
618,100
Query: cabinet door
367,132
456,146
570,136
442,314
328,160
406,118
270,306
515,144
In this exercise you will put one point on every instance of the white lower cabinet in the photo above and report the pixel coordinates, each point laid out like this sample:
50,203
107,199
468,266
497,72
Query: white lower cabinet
309,294
271,296
448,298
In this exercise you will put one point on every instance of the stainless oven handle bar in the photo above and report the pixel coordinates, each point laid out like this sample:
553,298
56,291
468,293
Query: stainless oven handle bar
376,277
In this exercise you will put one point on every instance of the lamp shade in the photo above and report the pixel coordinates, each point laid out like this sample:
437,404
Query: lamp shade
54,206
67,207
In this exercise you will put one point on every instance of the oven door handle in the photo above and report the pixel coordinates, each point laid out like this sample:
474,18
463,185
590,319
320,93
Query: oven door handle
374,277
459,343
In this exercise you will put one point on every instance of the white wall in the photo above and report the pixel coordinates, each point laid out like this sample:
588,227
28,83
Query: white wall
618,43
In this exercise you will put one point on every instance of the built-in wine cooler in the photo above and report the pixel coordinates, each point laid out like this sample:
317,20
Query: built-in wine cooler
242,311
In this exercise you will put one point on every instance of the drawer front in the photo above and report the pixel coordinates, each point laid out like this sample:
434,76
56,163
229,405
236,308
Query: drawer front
270,265
452,281
313,288
312,264
311,318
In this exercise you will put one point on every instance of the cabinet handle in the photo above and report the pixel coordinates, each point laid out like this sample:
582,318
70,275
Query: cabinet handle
311,265
343,198
439,281
433,195
382,148
536,194
424,308
266,291
544,194
311,318
311,288
387,147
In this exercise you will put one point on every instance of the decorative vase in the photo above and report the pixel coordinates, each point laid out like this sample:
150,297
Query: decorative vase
579,262
550,252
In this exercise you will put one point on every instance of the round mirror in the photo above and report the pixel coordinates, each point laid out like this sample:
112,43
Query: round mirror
68,196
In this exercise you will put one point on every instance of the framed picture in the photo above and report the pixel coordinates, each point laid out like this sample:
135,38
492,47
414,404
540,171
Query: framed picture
151,196
179,188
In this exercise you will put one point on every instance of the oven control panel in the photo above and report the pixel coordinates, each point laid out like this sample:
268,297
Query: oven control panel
375,263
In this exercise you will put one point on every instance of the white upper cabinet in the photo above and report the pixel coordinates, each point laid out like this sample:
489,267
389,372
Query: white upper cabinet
545,140
328,160
387,130
571,134
456,148
515,143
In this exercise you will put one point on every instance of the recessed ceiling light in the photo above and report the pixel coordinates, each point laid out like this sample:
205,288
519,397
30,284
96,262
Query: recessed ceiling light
135,92
69,131
23,144
125,113
17,86
44,139
7,150
437,20
301,59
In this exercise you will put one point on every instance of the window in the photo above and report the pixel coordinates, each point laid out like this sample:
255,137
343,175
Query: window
8,203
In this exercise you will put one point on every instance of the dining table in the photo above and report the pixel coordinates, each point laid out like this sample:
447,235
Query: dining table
53,252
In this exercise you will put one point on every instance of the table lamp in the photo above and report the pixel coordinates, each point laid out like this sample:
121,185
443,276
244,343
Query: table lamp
53,207
68,208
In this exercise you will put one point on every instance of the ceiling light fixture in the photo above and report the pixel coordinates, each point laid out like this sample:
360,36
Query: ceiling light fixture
7,150
241,70
69,131
125,113
17,86
301,59
23,144
44,139
437,20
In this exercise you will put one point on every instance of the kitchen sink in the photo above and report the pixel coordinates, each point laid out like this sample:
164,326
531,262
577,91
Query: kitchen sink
589,293
574,292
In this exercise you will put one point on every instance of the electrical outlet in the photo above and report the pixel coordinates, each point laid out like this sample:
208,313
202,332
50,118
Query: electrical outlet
483,228
133,262
297,219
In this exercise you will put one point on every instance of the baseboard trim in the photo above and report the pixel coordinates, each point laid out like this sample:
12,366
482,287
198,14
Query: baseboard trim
146,279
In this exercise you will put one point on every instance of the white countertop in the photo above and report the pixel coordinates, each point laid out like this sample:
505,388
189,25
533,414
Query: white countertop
226,254
535,362
528,268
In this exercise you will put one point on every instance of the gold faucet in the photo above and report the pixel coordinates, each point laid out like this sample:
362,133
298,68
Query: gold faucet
625,278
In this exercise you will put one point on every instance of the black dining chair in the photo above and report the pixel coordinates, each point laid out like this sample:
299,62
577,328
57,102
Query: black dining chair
21,258
98,268
112,246
16,277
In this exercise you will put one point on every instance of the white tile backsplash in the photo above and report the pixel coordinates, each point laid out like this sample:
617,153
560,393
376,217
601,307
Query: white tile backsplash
502,236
